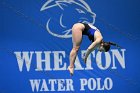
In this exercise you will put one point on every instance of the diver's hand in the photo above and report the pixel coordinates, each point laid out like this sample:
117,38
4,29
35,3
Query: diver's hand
84,58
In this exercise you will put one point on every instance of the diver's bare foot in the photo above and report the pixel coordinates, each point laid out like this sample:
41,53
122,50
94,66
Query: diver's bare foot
71,70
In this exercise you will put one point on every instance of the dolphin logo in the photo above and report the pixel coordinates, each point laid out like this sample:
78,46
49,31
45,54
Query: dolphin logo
64,14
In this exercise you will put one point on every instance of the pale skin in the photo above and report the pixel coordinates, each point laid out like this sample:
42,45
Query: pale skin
77,39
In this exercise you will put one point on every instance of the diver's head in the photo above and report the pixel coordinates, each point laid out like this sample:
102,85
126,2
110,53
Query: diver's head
104,47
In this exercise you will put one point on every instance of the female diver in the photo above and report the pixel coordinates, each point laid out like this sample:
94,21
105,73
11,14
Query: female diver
94,35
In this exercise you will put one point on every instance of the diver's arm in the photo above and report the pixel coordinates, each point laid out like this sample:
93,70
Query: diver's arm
91,48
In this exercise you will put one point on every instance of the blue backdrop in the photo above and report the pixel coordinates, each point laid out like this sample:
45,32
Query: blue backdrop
37,33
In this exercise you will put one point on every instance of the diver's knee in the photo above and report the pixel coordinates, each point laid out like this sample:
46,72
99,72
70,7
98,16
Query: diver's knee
76,48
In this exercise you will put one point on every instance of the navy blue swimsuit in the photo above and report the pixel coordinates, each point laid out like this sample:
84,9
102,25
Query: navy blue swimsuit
89,32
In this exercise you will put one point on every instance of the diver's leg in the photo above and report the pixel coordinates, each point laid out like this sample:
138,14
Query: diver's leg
76,39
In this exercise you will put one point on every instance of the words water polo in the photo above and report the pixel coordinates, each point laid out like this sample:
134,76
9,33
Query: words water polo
59,60
99,84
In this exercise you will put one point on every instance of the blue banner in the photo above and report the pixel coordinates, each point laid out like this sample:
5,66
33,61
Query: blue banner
36,40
